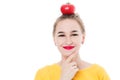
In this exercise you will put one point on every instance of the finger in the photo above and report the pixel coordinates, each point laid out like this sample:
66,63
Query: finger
73,64
69,59
76,69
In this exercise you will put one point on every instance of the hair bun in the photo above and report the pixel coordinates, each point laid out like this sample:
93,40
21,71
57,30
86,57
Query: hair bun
67,9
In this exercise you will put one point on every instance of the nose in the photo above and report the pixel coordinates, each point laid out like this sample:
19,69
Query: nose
68,41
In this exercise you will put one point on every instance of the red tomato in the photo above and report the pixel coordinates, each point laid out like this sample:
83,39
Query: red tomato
67,8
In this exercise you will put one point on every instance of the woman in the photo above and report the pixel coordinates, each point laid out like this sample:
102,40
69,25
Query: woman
69,35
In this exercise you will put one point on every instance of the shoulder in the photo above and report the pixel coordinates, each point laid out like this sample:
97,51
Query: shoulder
45,72
101,72
41,73
46,68
92,66
99,68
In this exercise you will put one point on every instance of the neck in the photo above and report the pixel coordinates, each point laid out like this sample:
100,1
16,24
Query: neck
76,59
80,63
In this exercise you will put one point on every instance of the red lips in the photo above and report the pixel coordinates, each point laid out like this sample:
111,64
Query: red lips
68,47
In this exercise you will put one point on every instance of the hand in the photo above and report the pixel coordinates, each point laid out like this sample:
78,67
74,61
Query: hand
69,68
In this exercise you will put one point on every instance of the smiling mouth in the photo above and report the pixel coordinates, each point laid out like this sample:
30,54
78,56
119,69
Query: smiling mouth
68,47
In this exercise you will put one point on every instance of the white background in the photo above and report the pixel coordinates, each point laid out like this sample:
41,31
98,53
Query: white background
26,42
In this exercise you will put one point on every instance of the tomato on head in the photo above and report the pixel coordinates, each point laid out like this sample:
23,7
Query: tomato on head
67,8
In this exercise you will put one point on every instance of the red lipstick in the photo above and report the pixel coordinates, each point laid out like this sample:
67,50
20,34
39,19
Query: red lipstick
68,47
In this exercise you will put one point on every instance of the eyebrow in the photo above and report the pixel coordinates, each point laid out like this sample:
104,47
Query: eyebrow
74,31
63,32
60,32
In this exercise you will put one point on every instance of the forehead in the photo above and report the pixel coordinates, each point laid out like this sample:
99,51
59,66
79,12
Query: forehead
68,25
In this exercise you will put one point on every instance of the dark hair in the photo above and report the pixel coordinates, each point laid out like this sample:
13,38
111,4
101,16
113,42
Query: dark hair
71,16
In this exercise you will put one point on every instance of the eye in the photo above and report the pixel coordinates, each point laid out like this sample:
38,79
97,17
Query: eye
61,35
74,34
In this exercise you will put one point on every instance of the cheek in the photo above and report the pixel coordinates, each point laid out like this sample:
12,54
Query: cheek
77,40
59,41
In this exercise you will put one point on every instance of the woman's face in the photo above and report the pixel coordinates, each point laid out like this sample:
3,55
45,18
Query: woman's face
68,37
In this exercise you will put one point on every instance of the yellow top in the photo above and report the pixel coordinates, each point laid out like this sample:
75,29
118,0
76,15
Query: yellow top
52,72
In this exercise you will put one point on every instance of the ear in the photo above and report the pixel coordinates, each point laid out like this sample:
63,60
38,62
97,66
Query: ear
83,39
55,41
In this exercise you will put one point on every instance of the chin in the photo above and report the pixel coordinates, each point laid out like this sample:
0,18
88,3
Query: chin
67,53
